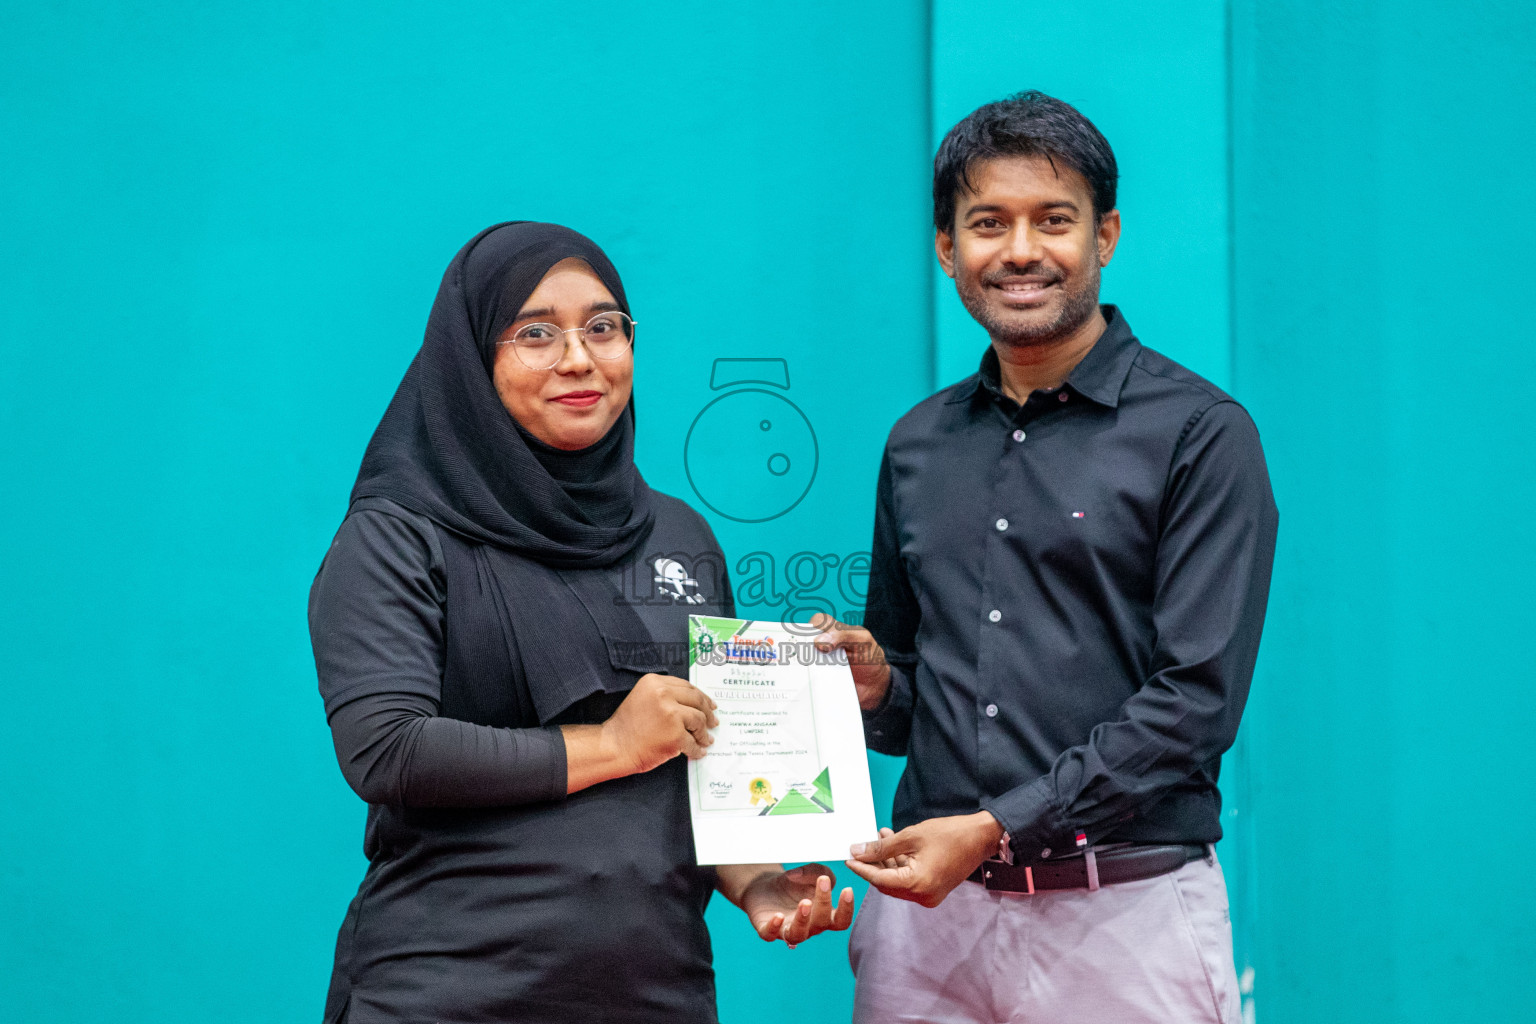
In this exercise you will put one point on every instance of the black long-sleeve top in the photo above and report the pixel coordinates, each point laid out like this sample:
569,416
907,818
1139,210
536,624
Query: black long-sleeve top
377,617
1070,593
490,894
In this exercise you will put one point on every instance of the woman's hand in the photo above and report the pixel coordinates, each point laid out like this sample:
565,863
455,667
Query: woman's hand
663,716
789,905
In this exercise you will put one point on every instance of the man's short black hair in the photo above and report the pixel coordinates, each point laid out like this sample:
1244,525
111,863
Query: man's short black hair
1025,124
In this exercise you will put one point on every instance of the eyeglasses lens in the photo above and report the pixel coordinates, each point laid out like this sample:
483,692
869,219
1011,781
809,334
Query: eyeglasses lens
607,336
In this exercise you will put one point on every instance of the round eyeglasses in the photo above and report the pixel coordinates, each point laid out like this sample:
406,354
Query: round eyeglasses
541,346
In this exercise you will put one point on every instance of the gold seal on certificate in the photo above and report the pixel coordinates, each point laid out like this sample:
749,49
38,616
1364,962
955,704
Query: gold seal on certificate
786,778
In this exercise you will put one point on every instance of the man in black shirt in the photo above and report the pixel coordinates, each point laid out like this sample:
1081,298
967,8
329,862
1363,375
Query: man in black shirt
1070,567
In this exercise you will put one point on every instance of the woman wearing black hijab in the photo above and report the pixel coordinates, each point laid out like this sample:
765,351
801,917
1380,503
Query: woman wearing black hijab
512,718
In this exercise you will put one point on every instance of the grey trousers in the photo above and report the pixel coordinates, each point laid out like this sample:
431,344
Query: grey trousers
1158,950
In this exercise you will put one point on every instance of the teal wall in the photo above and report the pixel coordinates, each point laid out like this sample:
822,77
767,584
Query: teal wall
223,226
1382,222
223,230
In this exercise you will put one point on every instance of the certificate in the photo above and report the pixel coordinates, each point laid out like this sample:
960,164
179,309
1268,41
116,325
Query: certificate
786,778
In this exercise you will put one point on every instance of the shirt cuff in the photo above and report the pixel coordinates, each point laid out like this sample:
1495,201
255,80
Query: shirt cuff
545,752
1026,814
887,727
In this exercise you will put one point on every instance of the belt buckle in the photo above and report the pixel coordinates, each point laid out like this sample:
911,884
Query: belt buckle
987,874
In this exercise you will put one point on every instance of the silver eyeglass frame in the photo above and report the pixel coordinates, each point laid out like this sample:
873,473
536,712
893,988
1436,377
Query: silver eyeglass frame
582,330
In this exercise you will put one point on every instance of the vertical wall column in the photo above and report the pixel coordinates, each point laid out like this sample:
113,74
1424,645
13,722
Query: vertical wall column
1383,213
1154,79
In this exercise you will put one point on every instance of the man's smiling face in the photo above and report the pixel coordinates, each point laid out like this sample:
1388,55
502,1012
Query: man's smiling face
1026,250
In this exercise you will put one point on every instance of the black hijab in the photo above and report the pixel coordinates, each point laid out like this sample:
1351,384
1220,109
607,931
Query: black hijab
448,449
528,530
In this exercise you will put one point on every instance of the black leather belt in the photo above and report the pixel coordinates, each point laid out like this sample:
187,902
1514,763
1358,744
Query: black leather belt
1104,867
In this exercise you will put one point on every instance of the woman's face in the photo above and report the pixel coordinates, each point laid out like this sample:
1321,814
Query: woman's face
572,404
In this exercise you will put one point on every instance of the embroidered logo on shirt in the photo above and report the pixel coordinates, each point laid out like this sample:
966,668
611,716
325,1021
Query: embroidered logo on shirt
674,581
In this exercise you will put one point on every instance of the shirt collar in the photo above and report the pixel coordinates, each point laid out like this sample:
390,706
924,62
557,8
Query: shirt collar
1099,377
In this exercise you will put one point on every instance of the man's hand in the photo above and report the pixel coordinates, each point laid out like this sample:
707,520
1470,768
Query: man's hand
871,674
924,862
789,905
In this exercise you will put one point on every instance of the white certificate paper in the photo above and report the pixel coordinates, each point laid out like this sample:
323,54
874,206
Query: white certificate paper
786,779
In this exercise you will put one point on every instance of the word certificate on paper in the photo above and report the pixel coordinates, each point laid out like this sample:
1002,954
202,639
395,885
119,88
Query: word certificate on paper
786,778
